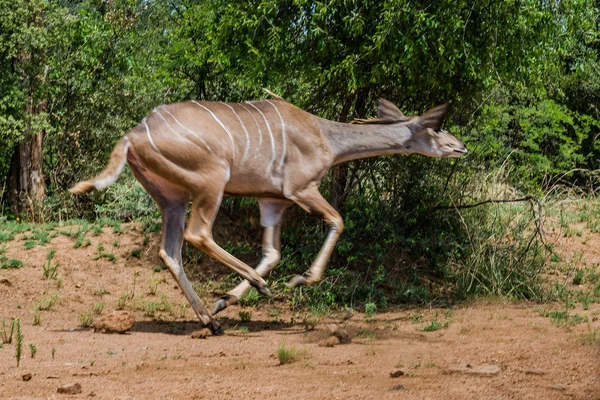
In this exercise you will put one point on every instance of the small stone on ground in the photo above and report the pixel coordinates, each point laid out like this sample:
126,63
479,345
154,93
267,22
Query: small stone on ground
481,370
201,334
329,342
533,371
340,333
558,387
26,377
72,388
396,373
115,322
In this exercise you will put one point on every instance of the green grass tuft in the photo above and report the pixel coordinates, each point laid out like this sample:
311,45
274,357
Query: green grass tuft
287,355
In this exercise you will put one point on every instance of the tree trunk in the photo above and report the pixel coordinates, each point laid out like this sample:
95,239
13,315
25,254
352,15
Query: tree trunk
26,178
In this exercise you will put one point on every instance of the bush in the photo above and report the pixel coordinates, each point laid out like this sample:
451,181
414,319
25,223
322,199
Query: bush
126,199
546,140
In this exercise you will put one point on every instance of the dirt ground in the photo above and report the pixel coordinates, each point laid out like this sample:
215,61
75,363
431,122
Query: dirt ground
485,350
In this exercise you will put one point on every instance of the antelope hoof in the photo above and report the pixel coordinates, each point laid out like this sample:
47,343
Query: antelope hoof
264,290
223,303
262,287
215,328
296,281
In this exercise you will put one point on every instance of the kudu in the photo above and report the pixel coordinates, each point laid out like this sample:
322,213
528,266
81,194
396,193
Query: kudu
269,149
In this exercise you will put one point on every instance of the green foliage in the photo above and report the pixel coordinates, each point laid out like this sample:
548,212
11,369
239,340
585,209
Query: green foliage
137,253
38,237
522,76
504,256
126,199
6,263
245,316
287,354
98,308
152,309
50,271
251,299
86,319
578,277
18,341
101,253
564,318
46,303
433,326
33,350
370,309
547,141
92,71
591,337
6,334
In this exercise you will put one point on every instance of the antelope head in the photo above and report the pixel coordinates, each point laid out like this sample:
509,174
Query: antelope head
426,134
432,143
429,139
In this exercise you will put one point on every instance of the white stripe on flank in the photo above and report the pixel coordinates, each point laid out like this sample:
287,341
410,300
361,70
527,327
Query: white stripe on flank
257,126
166,122
189,130
222,126
270,135
284,145
150,137
245,130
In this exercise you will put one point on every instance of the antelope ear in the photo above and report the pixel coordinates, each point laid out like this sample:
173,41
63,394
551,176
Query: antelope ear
387,110
433,118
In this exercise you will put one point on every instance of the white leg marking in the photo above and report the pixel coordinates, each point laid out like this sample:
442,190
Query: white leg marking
270,135
222,126
189,130
150,137
257,127
245,130
283,136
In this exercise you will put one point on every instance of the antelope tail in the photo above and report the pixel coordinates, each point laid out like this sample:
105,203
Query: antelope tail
117,161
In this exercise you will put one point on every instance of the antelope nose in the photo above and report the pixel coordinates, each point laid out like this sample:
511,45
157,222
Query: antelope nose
463,150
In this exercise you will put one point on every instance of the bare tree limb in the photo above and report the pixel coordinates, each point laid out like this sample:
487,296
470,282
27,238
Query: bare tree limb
472,205
528,198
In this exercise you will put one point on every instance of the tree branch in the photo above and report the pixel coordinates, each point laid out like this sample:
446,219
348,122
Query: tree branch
528,198
472,205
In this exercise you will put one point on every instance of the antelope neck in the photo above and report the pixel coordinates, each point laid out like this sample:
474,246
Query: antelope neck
354,141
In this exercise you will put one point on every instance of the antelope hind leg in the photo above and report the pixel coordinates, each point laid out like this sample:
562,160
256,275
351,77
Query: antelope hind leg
173,203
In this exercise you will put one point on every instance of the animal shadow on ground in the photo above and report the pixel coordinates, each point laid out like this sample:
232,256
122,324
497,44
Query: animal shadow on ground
187,327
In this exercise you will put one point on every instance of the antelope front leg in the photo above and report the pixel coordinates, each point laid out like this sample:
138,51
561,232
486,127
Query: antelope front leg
271,211
312,201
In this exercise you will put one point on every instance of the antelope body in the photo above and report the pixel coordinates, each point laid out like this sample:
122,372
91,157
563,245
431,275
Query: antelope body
270,149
